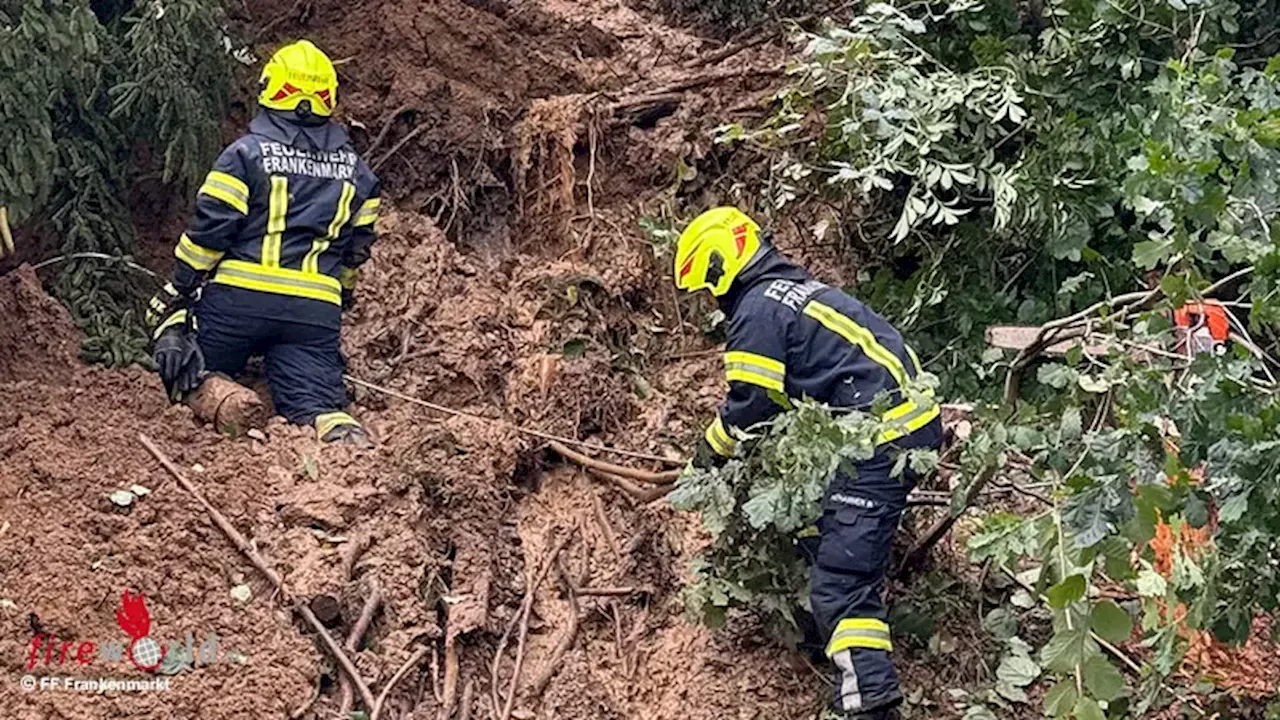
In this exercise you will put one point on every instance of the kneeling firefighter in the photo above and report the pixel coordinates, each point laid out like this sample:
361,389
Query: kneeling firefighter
792,337
269,262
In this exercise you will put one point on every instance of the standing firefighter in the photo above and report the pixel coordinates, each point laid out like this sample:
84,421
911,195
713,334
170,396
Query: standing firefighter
792,337
269,262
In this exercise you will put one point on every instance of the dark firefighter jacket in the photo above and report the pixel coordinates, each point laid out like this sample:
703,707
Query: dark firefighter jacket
281,224
792,337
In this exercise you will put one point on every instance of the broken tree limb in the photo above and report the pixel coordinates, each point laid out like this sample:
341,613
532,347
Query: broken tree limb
386,128
391,684
662,478
693,81
371,604
247,550
921,547
520,429
351,555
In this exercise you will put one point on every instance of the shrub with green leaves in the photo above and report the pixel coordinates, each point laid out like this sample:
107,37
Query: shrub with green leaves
756,505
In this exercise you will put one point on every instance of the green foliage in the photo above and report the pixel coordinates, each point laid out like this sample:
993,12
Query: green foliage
91,95
756,506
1023,166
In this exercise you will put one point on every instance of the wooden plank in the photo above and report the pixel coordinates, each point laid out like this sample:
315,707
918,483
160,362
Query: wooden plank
1018,337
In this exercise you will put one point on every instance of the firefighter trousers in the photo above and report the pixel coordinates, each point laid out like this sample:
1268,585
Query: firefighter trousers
860,515
304,362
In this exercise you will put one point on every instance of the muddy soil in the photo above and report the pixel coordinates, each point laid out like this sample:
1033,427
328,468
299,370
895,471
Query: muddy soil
520,142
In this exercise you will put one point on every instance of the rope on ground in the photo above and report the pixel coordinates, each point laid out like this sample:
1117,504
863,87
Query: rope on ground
518,428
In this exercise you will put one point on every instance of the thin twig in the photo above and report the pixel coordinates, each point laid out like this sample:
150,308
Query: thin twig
386,128
404,670
613,591
527,431
523,618
371,604
244,547
605,528
94,256
633,491
399,144
733,48
662,478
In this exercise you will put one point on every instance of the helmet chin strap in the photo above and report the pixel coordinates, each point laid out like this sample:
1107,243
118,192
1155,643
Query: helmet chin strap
300,115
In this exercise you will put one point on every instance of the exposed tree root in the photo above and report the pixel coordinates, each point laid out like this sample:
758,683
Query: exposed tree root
659,478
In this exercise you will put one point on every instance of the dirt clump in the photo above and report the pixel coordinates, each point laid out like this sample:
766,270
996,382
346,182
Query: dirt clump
36,332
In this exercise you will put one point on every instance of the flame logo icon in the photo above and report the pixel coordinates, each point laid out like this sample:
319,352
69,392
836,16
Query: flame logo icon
133,618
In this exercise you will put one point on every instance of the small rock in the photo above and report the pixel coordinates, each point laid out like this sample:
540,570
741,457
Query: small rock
198,467
241,593
123,498
257,434
7,604
139,490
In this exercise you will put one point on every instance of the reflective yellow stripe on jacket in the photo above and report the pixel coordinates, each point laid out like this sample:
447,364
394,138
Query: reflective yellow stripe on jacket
277,212
855,334
719,440
868,633
755,369
311,263
368,212
199,257
907,418
227,188
278,280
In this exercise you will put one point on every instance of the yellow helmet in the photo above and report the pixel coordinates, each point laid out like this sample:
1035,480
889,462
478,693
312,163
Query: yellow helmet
717,246
296,73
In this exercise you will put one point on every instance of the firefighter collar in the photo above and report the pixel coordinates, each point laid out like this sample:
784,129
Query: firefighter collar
327,137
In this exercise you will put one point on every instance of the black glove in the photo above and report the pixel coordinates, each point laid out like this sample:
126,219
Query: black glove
178,357
348,299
